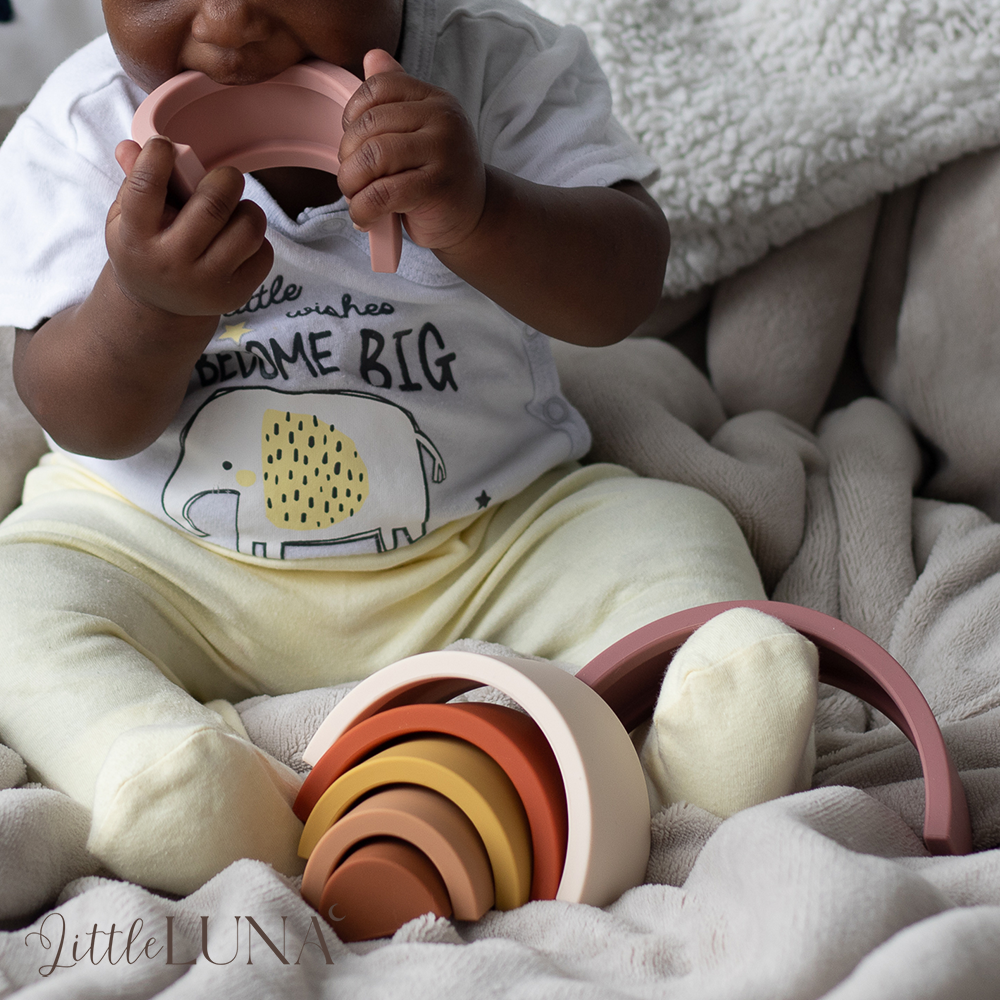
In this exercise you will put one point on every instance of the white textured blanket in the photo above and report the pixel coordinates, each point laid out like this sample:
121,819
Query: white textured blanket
770,117
828,893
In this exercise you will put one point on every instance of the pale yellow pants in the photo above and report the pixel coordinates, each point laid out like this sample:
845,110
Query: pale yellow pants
116,629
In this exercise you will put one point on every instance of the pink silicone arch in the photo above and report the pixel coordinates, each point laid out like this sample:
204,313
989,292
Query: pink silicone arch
291,120
628,676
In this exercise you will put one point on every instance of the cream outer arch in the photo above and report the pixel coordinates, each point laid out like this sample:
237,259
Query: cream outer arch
608,842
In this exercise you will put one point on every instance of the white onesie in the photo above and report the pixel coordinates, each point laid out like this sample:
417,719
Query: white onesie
339,411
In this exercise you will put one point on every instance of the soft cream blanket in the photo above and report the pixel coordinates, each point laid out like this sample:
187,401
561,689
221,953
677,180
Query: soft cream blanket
868,511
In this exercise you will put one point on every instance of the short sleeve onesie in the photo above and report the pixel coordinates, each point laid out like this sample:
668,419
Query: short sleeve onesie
339,410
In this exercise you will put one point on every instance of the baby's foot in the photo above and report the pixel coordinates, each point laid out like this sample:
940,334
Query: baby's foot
733,725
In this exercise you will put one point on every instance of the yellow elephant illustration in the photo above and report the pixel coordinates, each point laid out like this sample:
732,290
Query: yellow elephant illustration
287,474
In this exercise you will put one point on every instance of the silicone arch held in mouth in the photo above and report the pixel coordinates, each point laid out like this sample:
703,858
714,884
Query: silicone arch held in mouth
292,120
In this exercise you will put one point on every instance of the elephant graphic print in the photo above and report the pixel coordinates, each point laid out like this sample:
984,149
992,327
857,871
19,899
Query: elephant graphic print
272,473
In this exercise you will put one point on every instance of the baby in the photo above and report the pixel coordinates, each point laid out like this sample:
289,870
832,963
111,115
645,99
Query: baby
273,469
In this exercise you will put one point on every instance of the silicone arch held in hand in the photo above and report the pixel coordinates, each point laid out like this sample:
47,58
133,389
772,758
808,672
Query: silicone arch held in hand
292,120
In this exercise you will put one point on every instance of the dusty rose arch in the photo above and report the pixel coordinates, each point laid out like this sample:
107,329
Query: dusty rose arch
628,675
291,120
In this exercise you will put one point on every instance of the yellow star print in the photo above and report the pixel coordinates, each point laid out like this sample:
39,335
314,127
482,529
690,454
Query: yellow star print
234,332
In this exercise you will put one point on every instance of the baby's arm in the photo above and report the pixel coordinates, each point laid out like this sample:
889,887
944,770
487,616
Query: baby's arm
106,377
581,264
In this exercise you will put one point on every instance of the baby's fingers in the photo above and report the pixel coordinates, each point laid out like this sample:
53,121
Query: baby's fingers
252,272
379,61
143,195
208,212
126,153
241,239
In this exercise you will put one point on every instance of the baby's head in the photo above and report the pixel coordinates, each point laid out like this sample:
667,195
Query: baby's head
246,41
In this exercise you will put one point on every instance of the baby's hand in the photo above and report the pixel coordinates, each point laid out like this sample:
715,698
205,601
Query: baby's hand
409,148
201,260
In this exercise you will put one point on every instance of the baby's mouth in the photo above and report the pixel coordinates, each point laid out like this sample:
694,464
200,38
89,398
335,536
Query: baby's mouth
242,79
235,69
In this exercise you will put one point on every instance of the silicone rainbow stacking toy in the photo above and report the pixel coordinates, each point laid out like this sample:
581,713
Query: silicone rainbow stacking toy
552,799
416,806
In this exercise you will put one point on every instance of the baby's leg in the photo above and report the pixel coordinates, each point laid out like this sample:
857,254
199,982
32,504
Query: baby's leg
92,694
733,725
600,554
733,722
